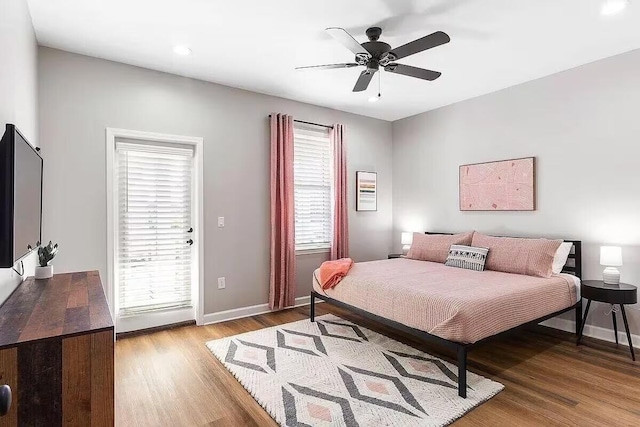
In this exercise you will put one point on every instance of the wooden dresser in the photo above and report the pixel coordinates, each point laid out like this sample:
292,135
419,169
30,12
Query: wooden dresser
56,352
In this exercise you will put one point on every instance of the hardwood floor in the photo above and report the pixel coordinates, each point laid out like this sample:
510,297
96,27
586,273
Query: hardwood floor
169,378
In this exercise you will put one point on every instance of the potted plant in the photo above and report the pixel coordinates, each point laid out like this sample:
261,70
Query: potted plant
45,255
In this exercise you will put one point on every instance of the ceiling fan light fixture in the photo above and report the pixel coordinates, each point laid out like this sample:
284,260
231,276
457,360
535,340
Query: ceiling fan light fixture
181,50
613,7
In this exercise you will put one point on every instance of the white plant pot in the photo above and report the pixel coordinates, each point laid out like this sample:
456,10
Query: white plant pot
44,272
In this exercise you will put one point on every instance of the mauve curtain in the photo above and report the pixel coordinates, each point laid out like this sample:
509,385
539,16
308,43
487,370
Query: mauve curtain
340,243
282,289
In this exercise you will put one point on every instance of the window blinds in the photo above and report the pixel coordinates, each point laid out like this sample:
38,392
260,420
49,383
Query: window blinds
312,186
154,216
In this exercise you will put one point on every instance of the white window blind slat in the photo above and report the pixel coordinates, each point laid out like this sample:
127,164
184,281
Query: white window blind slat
312,187
154,216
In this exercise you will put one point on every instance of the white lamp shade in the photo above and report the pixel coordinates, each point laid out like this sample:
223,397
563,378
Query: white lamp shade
611,256
407,238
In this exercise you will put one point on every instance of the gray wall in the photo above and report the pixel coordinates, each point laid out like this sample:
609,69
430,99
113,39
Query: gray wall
81,96
18,92
583,127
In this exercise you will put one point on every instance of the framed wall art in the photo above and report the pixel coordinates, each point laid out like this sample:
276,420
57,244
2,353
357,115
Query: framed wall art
505,185
367,191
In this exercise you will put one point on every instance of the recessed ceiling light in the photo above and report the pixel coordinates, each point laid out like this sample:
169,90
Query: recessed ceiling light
613,7
182,50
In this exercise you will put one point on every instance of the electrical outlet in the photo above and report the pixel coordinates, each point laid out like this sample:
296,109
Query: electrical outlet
221,283
221,221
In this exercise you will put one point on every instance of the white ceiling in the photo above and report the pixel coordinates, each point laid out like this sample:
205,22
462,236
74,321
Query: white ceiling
255,44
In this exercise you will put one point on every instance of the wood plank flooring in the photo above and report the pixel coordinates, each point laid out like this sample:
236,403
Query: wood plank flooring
169,378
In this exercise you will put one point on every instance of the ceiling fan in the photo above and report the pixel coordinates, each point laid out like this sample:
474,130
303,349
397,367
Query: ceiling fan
375,54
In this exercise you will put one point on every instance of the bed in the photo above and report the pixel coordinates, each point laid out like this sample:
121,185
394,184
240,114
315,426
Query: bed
417,297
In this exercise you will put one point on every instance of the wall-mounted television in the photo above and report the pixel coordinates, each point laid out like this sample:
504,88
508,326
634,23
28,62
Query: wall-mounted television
20,197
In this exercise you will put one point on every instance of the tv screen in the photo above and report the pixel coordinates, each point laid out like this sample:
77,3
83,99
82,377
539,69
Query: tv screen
20,197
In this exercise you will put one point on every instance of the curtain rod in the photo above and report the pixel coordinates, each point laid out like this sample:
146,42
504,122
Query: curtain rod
311,123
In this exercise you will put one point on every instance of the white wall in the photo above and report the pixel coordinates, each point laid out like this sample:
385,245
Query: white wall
81,96
582,125
18,94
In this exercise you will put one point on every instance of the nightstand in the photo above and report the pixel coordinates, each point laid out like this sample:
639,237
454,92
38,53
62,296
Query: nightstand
597,290
392,256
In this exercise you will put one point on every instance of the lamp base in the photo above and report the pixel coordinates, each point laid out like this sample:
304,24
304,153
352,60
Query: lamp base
405,249
611,276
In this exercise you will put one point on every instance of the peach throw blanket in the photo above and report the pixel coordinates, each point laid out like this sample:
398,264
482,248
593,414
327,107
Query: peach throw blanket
332,272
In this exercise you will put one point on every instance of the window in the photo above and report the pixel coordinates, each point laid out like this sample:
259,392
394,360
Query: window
153,266
312,168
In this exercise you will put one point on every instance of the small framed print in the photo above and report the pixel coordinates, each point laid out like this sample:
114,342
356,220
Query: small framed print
367,191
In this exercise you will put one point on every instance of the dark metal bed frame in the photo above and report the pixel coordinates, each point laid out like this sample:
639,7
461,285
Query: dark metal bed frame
461,349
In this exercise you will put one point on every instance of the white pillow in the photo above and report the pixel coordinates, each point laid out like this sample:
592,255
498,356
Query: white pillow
560,258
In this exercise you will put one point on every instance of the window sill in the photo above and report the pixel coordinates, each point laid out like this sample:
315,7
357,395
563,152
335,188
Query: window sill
312,251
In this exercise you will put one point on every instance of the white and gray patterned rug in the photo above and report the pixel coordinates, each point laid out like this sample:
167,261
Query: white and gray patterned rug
336,373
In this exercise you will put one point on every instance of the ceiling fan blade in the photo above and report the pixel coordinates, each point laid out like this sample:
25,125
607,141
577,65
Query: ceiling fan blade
408,70
427,42
347,40
328,66
363,81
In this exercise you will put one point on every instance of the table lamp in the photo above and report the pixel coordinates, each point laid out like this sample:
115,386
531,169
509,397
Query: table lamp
611,257
407,239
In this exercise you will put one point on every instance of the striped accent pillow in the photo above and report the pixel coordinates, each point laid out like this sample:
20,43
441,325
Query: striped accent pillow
467,257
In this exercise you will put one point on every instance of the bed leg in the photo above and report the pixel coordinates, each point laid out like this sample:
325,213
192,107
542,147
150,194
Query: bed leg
578,317
462,372
312,308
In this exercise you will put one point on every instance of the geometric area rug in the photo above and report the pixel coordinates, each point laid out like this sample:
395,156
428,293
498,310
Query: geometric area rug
336,373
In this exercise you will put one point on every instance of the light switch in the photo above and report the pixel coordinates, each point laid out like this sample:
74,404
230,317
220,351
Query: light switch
221,283
221,221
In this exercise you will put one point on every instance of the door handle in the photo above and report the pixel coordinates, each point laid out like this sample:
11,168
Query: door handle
5,399
190,242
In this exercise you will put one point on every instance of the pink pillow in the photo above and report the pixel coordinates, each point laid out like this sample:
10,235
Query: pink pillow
531,257
435,247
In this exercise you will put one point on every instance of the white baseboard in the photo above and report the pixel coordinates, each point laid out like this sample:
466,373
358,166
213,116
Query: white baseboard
598,332
239,313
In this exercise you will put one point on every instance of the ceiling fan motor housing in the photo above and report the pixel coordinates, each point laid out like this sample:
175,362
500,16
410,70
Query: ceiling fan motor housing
378,50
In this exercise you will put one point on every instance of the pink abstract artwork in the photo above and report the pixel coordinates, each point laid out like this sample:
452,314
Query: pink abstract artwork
507,185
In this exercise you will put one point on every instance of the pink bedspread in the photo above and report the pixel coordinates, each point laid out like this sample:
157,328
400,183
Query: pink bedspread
453,303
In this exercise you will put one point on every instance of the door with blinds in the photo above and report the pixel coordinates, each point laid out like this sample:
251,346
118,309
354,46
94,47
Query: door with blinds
154,262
